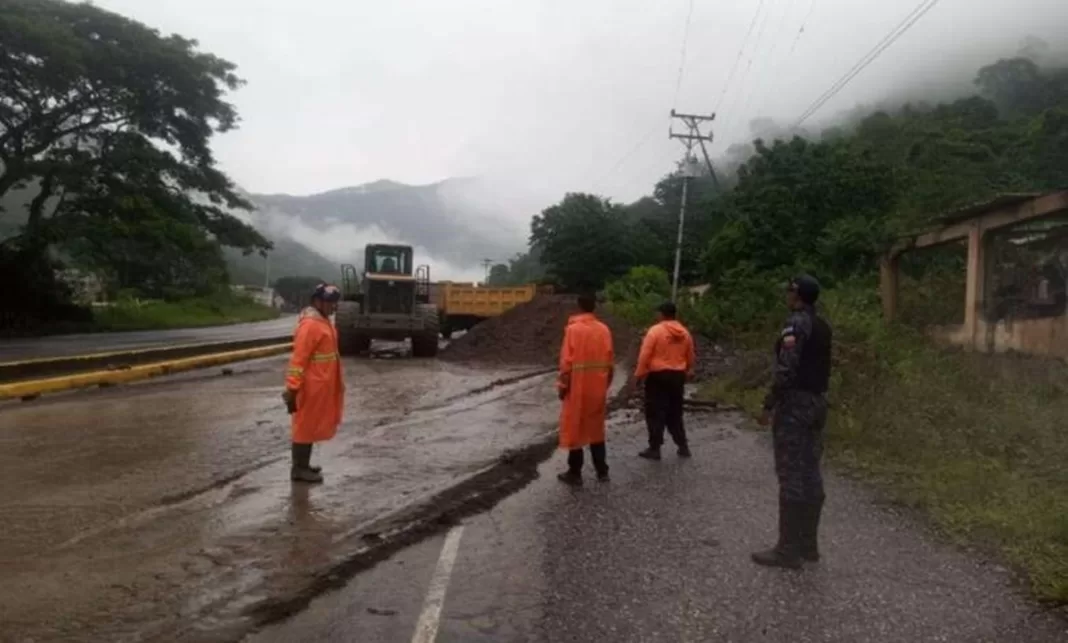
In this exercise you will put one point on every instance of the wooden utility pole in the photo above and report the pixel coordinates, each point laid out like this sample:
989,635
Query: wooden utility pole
691,139
486,263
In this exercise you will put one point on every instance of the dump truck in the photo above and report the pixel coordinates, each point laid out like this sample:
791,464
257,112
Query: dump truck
462,305
390,300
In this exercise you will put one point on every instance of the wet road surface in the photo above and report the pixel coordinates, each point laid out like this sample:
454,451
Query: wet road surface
661,554
87,343
163,511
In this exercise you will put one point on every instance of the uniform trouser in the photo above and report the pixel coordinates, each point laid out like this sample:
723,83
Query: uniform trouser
597,451
797,433
664,393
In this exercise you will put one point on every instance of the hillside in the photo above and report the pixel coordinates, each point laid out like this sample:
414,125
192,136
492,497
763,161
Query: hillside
454,222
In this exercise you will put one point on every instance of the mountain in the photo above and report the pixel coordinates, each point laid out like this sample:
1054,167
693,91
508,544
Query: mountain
452,224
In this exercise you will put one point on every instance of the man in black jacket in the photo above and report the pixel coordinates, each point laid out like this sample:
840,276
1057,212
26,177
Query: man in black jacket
796,407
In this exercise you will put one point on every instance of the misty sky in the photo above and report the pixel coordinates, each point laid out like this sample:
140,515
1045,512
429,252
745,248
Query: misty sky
551,95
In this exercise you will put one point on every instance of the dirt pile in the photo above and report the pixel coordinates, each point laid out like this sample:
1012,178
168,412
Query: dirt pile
531,334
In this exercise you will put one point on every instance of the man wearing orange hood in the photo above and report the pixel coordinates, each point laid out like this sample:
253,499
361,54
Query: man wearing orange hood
587,361
315,389
666,360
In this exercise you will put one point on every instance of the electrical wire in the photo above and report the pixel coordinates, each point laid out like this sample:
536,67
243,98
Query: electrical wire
921,10
738,58
804,23
682,56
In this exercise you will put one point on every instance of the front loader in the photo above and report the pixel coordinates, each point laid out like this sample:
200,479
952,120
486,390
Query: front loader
389,301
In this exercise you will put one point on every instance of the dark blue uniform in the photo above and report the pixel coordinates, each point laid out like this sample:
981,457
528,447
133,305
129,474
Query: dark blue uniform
802,372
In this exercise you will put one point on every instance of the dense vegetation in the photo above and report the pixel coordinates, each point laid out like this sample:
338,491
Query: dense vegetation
974,440
105,164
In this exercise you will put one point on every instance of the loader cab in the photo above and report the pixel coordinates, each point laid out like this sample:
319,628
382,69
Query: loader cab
387,260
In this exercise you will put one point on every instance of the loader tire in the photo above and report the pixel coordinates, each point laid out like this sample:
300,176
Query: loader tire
425,344
349,341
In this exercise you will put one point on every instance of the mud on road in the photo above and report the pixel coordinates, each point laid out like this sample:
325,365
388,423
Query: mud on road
163,511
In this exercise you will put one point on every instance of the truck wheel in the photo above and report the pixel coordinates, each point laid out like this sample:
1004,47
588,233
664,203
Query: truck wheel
349,342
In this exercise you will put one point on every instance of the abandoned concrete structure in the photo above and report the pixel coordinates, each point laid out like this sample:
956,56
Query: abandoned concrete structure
1025,220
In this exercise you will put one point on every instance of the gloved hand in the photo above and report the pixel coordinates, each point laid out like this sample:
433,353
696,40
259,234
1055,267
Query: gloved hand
290,399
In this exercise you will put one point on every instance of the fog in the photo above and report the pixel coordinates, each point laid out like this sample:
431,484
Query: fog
543,97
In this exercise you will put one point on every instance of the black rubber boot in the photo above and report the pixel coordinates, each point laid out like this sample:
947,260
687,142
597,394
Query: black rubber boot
786,553
300,471
312,467
684,451
810,527
570,478
650,454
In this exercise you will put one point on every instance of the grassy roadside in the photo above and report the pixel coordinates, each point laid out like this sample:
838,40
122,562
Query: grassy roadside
977,442
217,310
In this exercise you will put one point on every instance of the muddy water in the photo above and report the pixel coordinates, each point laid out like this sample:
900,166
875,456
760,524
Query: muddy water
158,512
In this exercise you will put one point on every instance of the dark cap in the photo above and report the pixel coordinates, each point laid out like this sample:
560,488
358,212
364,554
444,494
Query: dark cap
668,309
806,287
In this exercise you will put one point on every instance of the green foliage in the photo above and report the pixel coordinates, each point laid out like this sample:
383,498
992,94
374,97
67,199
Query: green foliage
635,296
220,308
296,291
583,240
498,275
107,125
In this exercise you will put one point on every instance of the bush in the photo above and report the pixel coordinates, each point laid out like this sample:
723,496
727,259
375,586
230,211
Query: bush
221,308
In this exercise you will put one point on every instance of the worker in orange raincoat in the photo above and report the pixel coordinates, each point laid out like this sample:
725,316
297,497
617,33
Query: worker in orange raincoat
666,361
315,390
586,368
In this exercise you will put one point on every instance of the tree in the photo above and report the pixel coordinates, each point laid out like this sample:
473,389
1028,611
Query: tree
583,241
109,124
296,291
498,275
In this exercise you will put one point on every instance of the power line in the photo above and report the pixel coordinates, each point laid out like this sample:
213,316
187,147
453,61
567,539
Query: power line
732,113
682,61
804,23
921,10
738,58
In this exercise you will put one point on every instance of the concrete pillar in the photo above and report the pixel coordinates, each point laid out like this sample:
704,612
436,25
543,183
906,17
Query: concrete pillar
888,284
975,292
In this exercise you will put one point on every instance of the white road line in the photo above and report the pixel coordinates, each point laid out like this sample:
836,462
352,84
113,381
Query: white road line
426,630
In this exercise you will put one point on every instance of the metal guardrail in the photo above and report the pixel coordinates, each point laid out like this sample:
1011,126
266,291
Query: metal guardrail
120,360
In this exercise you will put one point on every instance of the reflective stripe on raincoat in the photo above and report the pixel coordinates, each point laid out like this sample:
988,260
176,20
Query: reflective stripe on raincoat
315,373
586,363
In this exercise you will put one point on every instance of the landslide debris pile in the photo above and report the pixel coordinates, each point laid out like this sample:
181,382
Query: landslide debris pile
531,334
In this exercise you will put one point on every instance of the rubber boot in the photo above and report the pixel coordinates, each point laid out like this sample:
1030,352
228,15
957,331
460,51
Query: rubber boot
786,553
650,454
570,478
312,467
684,451
810,526
300,472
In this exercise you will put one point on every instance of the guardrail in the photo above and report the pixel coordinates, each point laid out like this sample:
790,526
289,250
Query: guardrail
123,360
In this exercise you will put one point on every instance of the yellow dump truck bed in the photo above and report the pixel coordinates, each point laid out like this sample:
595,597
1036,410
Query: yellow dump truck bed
475,301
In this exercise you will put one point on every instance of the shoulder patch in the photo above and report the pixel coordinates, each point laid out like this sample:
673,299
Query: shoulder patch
788,331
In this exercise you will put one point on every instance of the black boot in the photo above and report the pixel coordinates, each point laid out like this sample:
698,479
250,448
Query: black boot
786,553
684,451
301,470
810,527
650,454
570,478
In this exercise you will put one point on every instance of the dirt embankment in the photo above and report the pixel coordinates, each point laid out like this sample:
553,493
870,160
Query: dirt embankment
531,334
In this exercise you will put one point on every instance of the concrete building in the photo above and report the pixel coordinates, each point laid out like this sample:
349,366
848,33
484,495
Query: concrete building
1017,306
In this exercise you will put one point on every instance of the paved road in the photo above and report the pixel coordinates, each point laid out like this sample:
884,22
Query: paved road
162,511
661,554
84,344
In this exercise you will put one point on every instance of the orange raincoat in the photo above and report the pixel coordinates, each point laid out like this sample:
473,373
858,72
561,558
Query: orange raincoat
315,373
586,363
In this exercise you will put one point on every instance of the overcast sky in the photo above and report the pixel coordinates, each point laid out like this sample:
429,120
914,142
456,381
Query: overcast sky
555,95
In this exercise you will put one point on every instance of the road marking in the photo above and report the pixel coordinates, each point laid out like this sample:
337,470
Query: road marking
426,629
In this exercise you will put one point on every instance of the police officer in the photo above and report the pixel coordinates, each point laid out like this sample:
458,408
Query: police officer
797,410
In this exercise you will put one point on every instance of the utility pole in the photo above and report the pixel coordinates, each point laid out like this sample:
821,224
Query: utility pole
691,139
486,263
